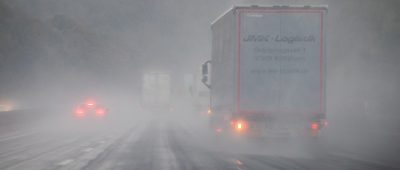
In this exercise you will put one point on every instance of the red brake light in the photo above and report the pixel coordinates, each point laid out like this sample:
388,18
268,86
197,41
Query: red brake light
100,112
79,110
90,103
314,126
79,113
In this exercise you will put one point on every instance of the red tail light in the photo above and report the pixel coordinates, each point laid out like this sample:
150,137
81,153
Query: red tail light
314,126
100,112
79,113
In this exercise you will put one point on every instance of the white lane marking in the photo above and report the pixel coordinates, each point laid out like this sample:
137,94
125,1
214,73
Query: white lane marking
88,149
358,158
16,136
65,162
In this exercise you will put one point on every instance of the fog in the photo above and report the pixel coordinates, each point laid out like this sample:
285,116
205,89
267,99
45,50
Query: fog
57,55
87,46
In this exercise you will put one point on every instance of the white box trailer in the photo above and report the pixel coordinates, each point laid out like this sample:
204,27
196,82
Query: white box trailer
268,63
156,90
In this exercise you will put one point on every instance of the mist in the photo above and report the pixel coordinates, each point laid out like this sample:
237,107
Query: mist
56,56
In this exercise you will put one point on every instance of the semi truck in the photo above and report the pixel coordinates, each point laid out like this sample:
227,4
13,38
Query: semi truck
268,71
156,91
199,94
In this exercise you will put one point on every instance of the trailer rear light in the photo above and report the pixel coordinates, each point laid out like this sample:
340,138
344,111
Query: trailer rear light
240,125
314,126
209,112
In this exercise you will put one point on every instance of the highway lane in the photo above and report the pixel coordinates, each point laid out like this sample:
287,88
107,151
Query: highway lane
59,142
177,144
155,142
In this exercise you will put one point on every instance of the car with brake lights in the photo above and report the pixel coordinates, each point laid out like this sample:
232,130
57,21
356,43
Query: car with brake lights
90,109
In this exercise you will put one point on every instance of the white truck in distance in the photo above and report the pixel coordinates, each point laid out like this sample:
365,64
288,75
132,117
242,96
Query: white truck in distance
268,71
156,91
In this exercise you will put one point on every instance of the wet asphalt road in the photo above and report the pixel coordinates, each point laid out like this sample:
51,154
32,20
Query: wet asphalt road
155,142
